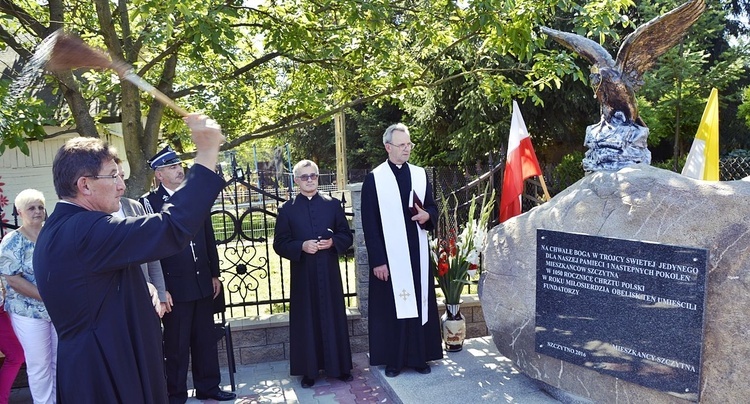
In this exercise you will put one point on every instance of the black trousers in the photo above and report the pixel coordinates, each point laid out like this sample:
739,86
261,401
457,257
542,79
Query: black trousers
189,330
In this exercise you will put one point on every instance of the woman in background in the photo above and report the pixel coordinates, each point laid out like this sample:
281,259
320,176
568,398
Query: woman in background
23,303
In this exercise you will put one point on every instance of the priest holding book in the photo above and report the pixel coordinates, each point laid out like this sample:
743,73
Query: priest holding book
397,211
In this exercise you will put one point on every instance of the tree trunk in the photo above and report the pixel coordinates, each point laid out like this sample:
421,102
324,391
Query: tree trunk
85,124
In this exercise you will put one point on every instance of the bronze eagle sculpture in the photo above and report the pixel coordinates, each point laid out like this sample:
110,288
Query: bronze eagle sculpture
615,82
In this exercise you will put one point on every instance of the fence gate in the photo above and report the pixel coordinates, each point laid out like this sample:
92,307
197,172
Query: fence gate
243,220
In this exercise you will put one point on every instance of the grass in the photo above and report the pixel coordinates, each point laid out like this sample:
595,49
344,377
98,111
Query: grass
255,224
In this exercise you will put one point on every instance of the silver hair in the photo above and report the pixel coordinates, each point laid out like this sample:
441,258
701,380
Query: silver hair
388,135
28,196
302,164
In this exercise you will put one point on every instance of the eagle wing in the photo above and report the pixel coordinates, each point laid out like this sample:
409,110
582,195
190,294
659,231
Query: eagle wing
640,50
586,48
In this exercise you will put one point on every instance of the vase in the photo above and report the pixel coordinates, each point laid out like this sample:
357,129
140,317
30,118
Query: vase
453,328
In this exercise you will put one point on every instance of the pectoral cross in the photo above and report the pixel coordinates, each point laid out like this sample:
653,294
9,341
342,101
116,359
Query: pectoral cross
192,248
404,294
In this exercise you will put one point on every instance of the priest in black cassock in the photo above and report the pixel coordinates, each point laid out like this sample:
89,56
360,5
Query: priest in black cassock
311,232
87,265
404,328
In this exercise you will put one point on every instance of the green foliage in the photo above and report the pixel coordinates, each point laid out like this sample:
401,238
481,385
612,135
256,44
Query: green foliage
743,112
467,118
670,165
364,140
283,69
20,121
675,91
569,171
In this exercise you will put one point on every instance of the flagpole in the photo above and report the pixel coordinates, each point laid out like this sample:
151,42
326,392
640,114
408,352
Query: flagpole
544,188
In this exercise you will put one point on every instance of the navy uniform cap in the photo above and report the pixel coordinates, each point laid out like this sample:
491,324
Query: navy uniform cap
165,157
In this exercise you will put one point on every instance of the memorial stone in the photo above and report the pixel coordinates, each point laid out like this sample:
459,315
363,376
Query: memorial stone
653,206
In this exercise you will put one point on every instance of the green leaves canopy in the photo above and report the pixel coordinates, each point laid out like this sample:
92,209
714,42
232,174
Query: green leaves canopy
267,68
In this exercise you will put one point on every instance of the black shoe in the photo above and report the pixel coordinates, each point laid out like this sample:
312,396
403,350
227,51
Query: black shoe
346,377
218,396
392,372
425,370
307,382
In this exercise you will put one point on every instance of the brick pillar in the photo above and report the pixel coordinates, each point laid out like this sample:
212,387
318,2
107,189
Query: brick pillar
362,267
359,331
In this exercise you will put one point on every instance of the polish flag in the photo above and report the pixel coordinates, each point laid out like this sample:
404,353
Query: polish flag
520,165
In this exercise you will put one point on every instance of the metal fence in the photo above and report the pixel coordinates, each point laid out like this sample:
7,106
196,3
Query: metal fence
734,168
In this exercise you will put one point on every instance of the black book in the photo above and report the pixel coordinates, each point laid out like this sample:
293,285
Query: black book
415,201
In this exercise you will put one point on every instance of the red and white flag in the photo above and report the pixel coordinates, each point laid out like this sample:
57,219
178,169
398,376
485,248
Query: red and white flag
520,165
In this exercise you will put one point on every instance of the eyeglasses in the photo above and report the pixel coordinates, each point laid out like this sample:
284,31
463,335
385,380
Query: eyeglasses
403,146
114,177
307,177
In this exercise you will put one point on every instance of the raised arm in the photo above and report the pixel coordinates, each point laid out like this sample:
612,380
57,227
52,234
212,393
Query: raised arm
206,135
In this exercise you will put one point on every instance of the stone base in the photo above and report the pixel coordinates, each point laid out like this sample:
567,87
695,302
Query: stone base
615,146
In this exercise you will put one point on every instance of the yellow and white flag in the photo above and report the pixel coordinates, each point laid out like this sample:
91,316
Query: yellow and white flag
703,160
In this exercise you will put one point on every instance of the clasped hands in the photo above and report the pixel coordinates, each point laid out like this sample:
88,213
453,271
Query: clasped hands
313,246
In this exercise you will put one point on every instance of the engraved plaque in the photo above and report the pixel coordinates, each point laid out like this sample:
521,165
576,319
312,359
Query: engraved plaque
629,309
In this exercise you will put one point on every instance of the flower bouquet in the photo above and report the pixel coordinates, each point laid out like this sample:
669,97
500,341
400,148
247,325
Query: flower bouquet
456,249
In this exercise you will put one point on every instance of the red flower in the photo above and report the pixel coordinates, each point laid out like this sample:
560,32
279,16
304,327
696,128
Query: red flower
452,247
443,268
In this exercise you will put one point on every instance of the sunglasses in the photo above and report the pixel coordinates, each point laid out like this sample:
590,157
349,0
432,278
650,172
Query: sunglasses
307,177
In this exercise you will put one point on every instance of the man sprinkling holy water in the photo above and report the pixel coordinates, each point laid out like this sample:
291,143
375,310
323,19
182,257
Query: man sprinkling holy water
403,317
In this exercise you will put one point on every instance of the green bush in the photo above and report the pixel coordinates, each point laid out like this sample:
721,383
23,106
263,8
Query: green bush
568,171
